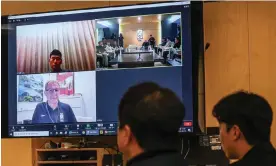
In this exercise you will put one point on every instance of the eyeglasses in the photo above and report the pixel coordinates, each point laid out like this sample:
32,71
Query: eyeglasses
52,90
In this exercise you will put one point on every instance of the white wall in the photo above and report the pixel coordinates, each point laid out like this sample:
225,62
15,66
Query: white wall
84,83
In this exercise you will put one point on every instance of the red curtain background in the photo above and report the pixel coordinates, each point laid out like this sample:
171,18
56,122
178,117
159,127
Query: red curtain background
75,40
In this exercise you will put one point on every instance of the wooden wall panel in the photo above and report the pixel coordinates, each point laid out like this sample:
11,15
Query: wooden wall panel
21,7
262,44
16,152
119,3
129,32
226,60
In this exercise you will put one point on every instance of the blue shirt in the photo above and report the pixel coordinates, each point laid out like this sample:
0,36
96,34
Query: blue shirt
45,114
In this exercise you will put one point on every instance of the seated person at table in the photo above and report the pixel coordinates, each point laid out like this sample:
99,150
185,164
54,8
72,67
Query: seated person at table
172,51
110,51
100,50
176,47
115,44
168,43
163,43
145,45
177,43
116,47
108,48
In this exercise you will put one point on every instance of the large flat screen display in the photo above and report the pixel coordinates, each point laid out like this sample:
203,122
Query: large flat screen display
68,70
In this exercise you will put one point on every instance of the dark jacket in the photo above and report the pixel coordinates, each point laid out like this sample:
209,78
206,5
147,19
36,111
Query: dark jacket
152,41
177,45
100,49
260,155
158,158
45,114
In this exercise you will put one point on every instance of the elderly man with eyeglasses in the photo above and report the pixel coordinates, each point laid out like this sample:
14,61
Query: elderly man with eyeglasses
53,111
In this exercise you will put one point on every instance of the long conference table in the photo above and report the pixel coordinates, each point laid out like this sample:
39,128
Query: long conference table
134,58
139,58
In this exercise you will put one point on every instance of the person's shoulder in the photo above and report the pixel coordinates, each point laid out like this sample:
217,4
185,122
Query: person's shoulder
40,107
65,106
271,159
40,104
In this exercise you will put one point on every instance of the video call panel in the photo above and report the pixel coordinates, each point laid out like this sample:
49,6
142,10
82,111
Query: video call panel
56,47
139,41
56,98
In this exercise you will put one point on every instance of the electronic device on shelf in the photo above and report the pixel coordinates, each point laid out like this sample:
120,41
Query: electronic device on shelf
87,156
88,95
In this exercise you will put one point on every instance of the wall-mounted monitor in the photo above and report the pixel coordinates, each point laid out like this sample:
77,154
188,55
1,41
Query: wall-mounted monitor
65,72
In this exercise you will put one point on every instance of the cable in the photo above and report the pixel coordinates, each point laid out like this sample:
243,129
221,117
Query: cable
187,150
106,149
44,144
182,146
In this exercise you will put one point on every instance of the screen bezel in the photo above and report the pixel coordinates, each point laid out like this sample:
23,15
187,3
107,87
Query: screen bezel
197,42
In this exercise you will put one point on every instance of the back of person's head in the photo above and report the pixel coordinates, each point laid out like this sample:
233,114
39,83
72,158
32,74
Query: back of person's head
250,112
152,115
56,52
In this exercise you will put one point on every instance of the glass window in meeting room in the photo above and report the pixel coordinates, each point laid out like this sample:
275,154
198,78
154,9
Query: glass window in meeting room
139,41
56,47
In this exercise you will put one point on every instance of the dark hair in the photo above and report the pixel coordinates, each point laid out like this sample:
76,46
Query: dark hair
251,112
154,115
55,52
